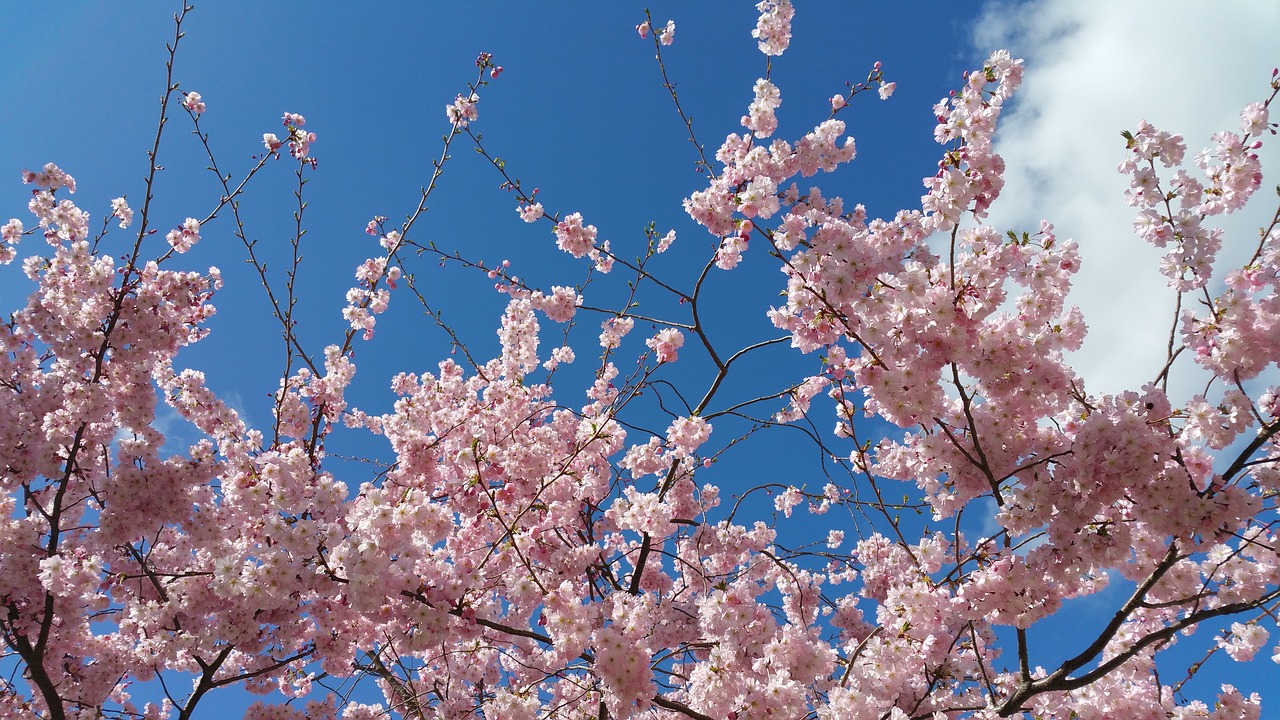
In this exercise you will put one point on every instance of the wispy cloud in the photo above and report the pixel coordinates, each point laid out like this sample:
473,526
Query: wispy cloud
1095,68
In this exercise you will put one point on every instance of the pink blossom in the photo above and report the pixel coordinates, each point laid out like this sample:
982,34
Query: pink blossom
562,355
773,29
194,103
11,234
886,89
530,212
666,344
560,306
1246,640
462,112
517,553
60,219
730,252
666,241
575,238
613,330
371,270
801,396
687,434
668,33
601,258
185,236
641,512
759,198
1253,119
787,500
300,143
120,208
51,178
760,118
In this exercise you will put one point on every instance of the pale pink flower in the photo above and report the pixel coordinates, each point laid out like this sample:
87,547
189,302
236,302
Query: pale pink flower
686,434
1253,119
730,252
300,143
61,219
641,512
370,270
760,118
51,177
801,397
561,355
668,33
666,344
759,198
787,500
363,711
120,208
602,258
184,237
613,330
666,241
575,238
560,305
773,28
530,213
886,89
11,232
194,103
1245,641
462,112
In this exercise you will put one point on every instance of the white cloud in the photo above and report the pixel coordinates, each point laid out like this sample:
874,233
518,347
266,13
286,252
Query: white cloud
1094,68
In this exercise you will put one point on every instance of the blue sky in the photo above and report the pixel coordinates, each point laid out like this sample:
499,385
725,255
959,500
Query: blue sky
579,112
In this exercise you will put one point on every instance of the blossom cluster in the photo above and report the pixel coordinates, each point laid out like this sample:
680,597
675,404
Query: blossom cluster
575,238
665,35
666,344
521,554
462,111
185,236
773,29
193,102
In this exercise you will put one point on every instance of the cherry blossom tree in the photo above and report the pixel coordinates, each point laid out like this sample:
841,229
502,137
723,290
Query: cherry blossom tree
527,548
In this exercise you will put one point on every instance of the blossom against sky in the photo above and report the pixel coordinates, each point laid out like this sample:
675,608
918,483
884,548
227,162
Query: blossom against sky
579,112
